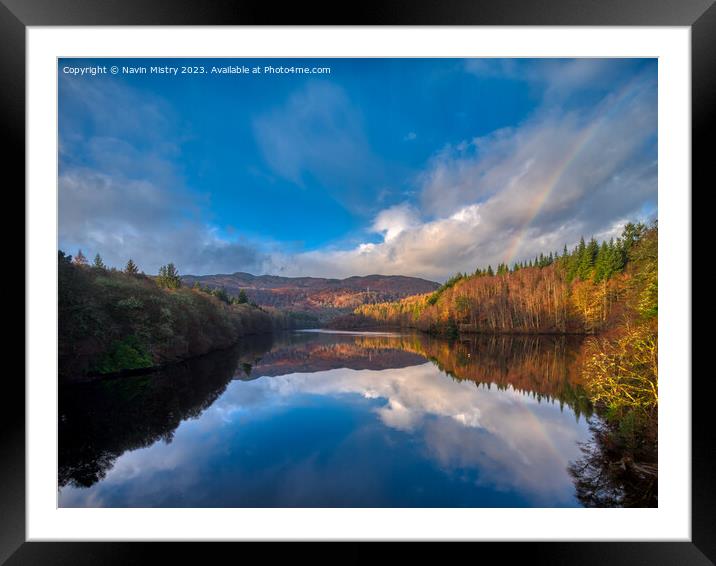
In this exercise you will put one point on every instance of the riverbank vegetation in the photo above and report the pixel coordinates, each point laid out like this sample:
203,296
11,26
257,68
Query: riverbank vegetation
606,291
579,292
112,320
621,374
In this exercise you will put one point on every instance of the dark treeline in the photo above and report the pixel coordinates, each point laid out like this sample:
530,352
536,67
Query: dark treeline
114,320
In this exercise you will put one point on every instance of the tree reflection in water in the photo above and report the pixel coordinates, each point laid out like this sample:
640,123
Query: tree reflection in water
612,475
101,421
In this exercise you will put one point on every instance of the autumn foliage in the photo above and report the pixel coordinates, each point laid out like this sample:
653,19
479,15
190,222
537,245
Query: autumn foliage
582,292
608,292
528,301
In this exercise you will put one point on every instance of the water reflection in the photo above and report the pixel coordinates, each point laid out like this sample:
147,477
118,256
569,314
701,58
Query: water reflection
100,421
324,419
606,475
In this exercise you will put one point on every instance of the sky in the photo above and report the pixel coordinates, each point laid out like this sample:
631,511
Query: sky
421,167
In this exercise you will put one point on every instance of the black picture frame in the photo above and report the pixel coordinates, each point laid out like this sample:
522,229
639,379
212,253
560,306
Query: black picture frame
16,15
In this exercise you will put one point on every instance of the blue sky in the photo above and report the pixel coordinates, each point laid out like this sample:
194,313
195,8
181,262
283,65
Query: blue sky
397,166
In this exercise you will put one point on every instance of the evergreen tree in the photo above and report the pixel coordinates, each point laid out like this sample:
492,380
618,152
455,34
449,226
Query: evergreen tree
169,277
586,256
489,271
243,298
602,263
98,263
131,268
631,234
617,257
589,259
592,250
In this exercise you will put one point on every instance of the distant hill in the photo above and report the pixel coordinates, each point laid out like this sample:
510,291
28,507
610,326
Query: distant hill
323,297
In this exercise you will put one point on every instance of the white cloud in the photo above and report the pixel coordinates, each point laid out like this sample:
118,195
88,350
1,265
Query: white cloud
121,219
391,222
517,192
132,200
508,195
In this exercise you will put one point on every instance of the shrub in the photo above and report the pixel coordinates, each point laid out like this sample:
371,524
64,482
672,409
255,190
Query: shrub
128,353
622,373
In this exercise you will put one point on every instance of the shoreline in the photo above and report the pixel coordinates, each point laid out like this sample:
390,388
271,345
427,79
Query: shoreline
95,377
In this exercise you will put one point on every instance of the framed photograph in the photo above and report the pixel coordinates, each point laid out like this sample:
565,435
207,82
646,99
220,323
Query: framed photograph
295,278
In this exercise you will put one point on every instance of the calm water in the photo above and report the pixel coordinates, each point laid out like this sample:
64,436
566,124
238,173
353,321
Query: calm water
318,419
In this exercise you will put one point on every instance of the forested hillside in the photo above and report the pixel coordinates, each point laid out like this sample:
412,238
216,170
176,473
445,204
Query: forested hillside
111,320
582,291
319,297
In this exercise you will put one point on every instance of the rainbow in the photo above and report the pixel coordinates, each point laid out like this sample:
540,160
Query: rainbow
583,141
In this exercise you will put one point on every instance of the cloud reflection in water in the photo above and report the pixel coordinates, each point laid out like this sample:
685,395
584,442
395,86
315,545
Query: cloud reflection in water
408,436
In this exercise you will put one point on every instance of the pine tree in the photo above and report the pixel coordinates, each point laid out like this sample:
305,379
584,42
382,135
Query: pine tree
131,268
617,257
169,277
585,260
243,298
581,249
98,263
631,234
601,264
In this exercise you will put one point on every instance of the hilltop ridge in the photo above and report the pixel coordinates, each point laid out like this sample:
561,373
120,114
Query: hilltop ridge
325,297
